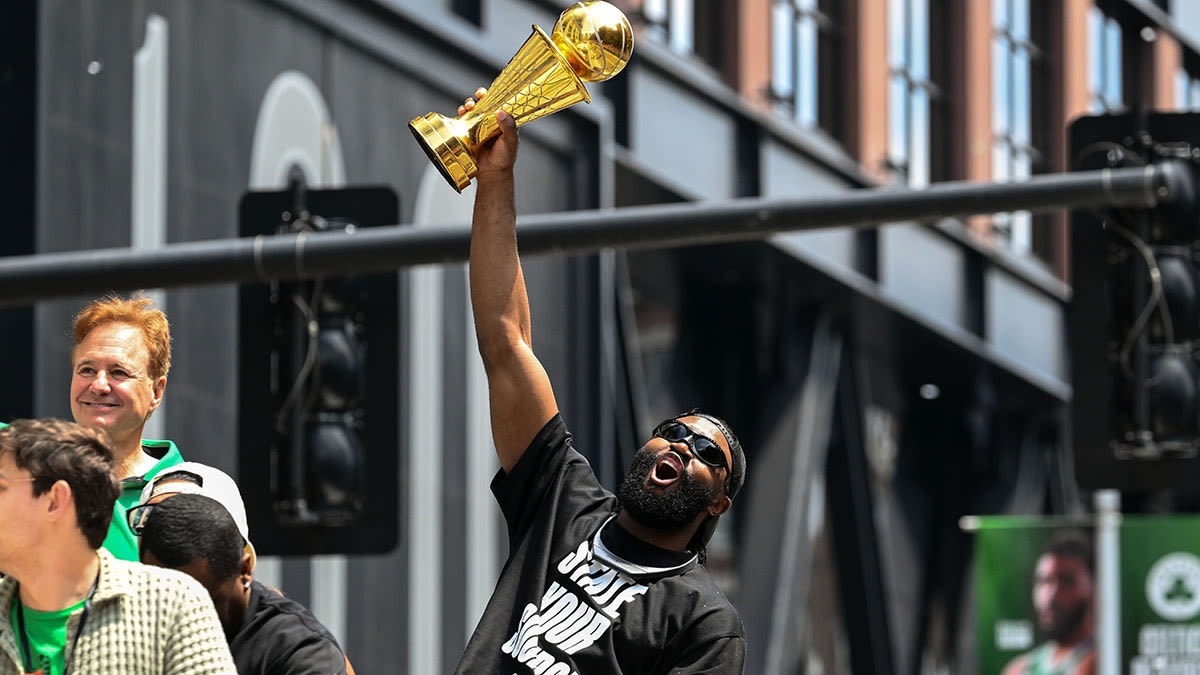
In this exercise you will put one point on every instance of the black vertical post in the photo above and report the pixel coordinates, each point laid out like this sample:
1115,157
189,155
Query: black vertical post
18,188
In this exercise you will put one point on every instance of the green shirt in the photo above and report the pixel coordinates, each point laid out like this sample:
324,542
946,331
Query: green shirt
46,635
121,541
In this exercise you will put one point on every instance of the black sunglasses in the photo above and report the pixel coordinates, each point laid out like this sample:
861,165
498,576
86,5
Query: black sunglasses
134,483
702,447
137,517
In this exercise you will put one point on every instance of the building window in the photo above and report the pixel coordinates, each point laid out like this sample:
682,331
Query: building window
806,48
670,22
700,29
1018,83
917,117
1187,90
1104,63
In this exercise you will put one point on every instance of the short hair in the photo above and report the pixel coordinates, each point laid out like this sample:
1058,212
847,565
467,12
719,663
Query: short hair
187,527
52,450
138,312
1071,543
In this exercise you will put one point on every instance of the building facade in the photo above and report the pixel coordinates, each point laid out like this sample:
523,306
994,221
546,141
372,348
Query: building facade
885,382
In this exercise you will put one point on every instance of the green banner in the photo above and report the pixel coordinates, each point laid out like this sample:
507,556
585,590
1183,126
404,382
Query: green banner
1034,596
1160,595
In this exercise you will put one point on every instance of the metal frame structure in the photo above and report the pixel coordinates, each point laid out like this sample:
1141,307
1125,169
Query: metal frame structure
305,256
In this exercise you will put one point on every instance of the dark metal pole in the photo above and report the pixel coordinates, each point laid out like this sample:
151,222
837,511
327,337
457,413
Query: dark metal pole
24,279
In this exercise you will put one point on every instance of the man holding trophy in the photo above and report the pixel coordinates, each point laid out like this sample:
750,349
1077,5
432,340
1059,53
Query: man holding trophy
594,582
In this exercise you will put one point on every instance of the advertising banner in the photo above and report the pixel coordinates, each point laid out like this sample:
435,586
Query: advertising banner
1034,596
1160,595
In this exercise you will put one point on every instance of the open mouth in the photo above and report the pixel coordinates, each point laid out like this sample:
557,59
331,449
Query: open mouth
667,469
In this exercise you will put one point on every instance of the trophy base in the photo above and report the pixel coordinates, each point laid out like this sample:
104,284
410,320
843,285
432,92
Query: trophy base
446,149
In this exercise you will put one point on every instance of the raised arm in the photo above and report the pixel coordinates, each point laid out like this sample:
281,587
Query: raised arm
519,391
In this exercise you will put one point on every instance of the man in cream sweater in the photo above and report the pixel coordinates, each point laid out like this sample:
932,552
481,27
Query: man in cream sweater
67,605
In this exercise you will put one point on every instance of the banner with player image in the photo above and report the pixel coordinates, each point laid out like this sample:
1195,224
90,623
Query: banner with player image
1034,595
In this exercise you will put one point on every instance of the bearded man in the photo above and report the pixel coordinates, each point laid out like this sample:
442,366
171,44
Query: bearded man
1063,593
593,583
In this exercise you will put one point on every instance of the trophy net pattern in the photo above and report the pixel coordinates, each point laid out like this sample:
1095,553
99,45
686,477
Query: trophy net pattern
535,83
602,45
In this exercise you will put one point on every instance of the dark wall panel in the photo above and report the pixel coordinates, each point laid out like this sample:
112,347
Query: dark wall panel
83,136
18,115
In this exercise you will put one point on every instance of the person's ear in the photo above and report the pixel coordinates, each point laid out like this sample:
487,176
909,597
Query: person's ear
160,386
245,570
59,499
719,505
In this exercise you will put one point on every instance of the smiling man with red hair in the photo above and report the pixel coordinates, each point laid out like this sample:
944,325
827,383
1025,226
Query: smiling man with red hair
119,370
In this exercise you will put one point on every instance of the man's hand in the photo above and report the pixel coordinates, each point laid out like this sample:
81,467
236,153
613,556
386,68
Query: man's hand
500,153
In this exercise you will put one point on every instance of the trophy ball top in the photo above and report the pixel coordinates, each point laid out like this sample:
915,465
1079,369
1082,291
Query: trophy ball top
596,39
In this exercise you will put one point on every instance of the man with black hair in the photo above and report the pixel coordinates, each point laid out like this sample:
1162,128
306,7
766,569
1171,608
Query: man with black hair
594,583
68,605
1063,591
268,633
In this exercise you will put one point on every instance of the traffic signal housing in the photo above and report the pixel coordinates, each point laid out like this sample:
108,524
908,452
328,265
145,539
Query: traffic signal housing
1134,319
317,394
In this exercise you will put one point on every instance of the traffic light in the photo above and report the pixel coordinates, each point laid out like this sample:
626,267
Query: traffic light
1134,320
334,472
317,394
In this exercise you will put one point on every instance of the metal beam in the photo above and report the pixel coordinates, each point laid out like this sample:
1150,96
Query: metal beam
859,543
25,279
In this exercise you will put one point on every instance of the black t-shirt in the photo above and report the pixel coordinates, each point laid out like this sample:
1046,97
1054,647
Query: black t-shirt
281,637
577,596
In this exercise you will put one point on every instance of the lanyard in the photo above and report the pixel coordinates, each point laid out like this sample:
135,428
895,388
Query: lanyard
87,607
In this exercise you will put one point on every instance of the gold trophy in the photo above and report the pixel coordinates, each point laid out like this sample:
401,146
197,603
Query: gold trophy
591,41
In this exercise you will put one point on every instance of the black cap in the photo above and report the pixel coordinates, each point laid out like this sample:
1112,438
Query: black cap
737,477
737,472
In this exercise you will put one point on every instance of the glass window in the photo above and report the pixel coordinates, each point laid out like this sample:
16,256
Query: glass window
915,96
806,47
1187,90
1017,75
698,29
670,21
1104,62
